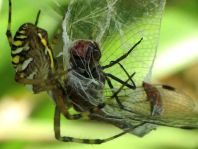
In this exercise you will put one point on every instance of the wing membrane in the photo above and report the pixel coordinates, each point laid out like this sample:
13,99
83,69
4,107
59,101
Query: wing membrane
116,25
178,109
141,19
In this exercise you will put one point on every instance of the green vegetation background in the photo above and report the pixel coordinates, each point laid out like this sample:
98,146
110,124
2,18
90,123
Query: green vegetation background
180,20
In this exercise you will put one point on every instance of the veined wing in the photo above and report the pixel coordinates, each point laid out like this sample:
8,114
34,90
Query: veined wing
171,108
116,25
133,20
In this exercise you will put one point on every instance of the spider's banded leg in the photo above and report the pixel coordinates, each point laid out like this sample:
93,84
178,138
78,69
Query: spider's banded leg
120,81
121,57
46,83
30,81
43,84
57,123
37,17
116,97
59,97
8,32
78,140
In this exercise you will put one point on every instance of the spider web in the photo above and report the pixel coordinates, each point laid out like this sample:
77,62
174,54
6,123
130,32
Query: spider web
116,25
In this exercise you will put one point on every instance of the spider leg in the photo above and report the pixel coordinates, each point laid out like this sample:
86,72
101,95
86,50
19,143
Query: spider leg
121,57
60,104
8,32
30,81
60,96
46,84
78,140
37,18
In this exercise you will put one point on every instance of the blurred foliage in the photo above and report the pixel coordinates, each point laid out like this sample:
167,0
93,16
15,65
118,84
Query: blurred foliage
178,13
13,144
179,22
187,7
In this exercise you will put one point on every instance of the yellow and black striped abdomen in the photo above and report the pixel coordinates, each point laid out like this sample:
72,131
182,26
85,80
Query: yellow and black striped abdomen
32,56
19,48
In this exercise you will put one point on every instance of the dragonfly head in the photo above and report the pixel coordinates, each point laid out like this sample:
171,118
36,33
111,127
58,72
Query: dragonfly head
85,54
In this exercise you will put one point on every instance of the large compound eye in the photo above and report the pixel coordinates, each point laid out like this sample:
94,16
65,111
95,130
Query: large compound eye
79,49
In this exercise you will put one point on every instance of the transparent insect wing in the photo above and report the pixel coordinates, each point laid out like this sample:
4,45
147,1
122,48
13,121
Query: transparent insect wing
176,109
116,25
132,21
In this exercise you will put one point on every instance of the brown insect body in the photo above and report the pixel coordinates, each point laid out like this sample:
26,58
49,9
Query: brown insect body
85,84
145,106
86,80
84,58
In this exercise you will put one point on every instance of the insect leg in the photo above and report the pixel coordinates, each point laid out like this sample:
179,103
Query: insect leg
133,83
78,140
120,81
121,57
112,88
118,91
